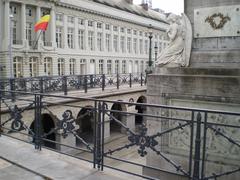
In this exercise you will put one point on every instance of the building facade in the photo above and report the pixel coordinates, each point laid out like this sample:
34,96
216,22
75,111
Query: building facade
83,37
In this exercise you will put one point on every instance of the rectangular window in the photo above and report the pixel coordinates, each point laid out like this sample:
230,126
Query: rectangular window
59,17
28,11
47,66
70,38
129,42
99,41
135,32
80,21
13,9
135,45
142,67
72,66
116,66
124,67
14,32
122,44
100,65
129,31
70,19
59,37
109,67
99,25
146,47
90,40
33,66
122,30
107,27
61,67
90,23
141,46
108,36
18,67
115,43
81,39
29,33
82,66
115,28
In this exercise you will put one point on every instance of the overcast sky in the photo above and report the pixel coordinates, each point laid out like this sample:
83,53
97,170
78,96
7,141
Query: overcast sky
175,6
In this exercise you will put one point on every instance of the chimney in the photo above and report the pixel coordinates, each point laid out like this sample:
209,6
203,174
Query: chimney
145,6
129,1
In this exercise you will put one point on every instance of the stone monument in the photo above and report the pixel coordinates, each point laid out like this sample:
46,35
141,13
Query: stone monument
210,79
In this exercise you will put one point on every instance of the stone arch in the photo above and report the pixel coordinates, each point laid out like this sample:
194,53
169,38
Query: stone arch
114,126
47,124
139,119
85,121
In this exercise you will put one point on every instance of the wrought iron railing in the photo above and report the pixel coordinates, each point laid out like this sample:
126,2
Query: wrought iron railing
165,141
51,84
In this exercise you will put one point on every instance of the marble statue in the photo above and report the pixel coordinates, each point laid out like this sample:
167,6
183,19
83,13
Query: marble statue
177,53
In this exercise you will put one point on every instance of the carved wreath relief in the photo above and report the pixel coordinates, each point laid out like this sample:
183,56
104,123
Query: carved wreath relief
212,20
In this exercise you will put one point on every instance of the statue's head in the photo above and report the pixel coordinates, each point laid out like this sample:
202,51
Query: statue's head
172,18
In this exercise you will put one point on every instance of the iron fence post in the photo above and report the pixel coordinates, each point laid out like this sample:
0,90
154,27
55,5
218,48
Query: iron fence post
37,124
0,111
95,135
91,81
41,85
117,81
85,84
102,137
130,80
98,143
64,84
204,144
196,170
141,79
12,88
191,145
103,82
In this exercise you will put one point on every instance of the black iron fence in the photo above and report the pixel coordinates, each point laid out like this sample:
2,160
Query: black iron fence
50,84
146,140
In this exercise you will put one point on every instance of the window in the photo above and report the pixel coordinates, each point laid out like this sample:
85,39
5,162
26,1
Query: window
116,66
108,36
70,19
90,23
90,40
14,32
59,17
99,41
140,33
59,37
82,66
135,45
141,46
124,67
136,70
107,27
18,67
135,32
81,39
92,66
99,25
72,66
33,66
61,66
29,33
100,65
45,12
13,9
129,31
160,47
48,66
122,30
115,28
115,43
129,42
109,67
28,11
122,44
146,47
80,21
70,38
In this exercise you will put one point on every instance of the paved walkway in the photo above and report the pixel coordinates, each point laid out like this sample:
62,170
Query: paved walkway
20,161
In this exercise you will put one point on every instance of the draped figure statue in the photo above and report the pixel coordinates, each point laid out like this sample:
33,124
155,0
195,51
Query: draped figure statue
177,53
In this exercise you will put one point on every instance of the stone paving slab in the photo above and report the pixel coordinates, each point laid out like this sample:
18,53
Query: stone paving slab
47,163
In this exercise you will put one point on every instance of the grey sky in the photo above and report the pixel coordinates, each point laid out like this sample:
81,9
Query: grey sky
175,6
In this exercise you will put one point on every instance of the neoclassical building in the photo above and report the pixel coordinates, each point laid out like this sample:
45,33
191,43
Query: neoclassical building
83,37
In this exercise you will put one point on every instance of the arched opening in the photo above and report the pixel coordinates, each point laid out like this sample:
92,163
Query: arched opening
85,120
114,125
47,125
140,110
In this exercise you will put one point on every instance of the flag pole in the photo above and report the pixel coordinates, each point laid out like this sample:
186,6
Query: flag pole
37,39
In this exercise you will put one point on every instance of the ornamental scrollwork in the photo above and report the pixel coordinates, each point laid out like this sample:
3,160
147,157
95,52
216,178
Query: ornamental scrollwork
221,24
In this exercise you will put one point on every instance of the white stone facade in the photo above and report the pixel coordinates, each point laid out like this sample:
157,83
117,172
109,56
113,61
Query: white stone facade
83,37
